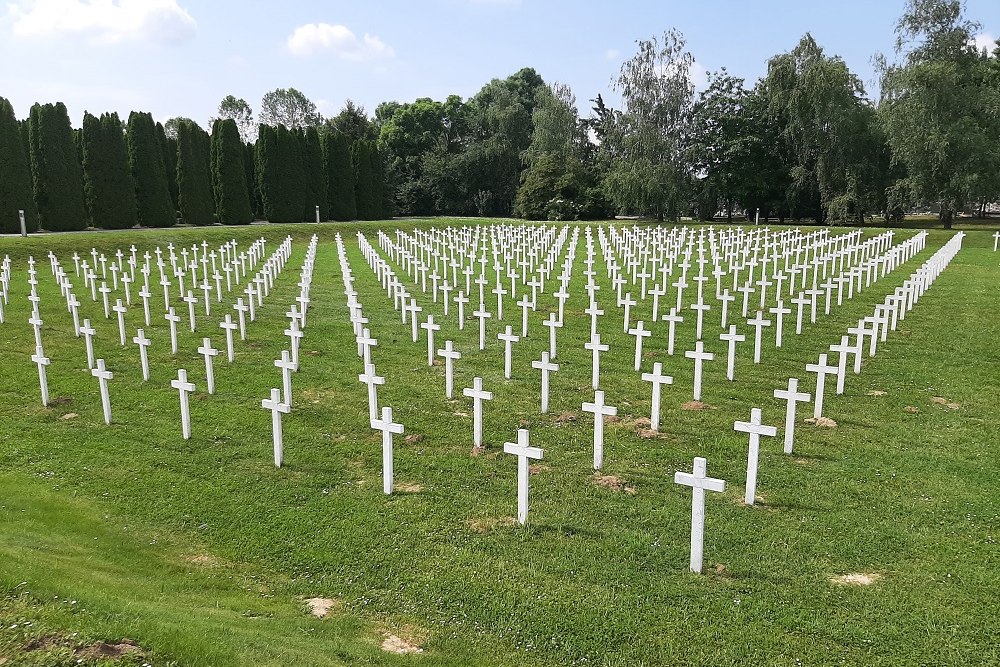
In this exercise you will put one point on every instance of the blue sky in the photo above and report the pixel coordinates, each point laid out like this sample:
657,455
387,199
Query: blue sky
181,57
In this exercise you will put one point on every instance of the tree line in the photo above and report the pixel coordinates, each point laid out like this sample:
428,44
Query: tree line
803,142
116,175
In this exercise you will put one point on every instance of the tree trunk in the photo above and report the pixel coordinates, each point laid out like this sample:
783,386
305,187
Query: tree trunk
946,216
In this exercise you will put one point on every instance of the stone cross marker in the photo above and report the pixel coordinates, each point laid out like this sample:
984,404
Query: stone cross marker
508,337
450,354
755,428
286,366
658,379
793,396
184,388
599,410
120,311
88,340
430,327
732,338
42,361
699,483
173,318
388,427
596,347
206,350
821,369
640,332
546,367
478,395
229,326
143,343
277,409
700,357
103,375
523,452
758,323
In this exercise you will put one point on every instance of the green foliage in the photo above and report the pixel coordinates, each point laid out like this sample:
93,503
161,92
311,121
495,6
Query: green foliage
315,178
168,147
939,112
253,184
353,122
340,175
58,178
108,185
194,175
229,176
145,153
280,175
15,176
239,111
289,108
364,185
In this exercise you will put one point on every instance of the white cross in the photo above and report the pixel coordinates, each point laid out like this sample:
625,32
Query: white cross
508,338
523,452
414,322
191,300
758,323
596,347
674,319
699,484
700,308
843,349
42,361
552,323
286,366
599,409
88,340
206,350
525,305
103,375
657,378
732,338
450,354
105,290
640,332
294,336
145,294
792,395
205,289
478,395
755,428
700,357
386,425
821,369
461,300
594,313
241,310
628,302
546,367
365,344
120,311
143,343
36,324
799,302
779,311
229,326
184,388
173,318
482,315
430,327
277,408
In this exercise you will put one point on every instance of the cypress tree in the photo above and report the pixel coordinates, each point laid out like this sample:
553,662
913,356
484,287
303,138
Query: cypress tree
340,176
253,188
267,170
380,193
280,174
107,182
15,176
58,179
315,176
23,126
194,175
145,154
168,148
229,177
363,180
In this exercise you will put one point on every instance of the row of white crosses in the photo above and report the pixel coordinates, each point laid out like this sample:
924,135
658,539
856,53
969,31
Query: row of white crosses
237,266
892,310
280,400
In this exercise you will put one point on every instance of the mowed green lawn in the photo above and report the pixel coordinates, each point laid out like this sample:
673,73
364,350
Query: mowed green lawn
202,553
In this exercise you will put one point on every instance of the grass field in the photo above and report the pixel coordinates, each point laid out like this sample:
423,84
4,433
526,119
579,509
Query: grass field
200,552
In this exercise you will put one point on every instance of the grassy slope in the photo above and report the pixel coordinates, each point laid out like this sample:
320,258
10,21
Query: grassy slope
111,516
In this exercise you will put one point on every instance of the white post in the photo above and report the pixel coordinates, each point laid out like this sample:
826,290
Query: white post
143,342
277,408
523,451
793,396
387,427
657,378
24,226
699,483
478,395
755,428
599,410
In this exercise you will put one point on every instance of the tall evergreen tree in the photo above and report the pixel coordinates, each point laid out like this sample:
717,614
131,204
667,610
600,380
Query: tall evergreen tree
340,175
266,159
381,205
194,175
168,148
145,154
107,181
58,178
15,175
315,176
363,186
253,187
229,177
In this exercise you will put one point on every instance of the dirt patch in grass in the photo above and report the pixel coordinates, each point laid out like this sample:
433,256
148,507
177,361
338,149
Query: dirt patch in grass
612,419
408,487
536,468
821,422
60,400
486,524
101,650
321,607
565,418
642,422
856,579
69,415
202,560
649,434
876,393
477,452
405,641
696,405
940,400
910,409
614,483
315,395
414,438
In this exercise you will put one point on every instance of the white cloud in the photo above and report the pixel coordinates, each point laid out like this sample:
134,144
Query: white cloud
611,54
313,38
985,41
102,21
699,76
